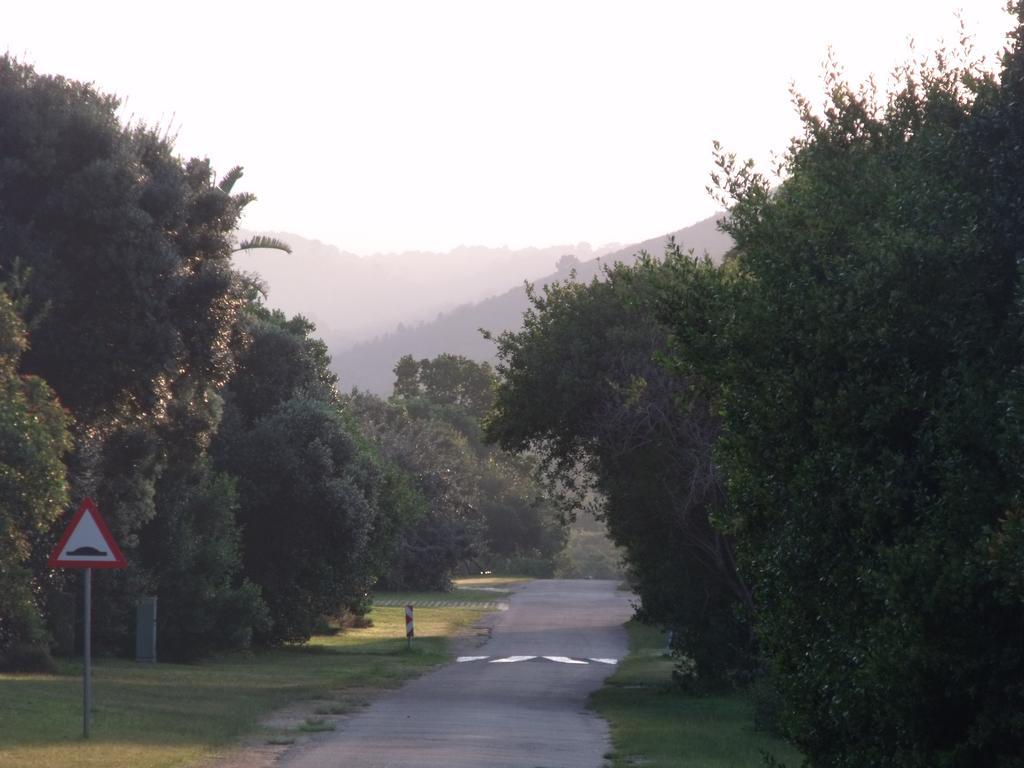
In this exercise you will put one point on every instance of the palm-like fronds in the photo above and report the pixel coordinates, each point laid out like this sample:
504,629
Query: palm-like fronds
230,178
262,241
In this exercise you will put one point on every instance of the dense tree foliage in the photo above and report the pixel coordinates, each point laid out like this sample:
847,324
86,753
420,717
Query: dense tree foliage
447,380
443,528
864,350
193,547
280,359
119,249
478,504
582,386
33,490
521,528
119,253
314,531
306,511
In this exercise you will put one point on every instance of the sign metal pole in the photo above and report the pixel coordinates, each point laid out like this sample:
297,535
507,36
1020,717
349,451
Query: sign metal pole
87,653
87,544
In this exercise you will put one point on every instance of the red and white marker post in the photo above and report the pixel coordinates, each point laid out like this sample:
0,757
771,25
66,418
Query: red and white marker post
409,631
87,544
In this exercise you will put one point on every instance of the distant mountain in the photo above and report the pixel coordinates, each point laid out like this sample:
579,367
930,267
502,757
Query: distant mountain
354,298
369,365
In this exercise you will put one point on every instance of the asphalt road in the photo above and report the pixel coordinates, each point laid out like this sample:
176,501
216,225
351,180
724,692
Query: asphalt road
514,708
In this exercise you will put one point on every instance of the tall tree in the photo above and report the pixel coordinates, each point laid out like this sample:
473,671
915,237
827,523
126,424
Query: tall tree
442,528
33,490
315,528
582,387
307,507
119,253
521,528
864,351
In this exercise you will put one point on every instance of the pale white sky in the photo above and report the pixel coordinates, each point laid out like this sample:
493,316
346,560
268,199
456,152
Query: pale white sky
381,126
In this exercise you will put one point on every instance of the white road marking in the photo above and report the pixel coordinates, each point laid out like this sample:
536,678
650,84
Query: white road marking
606,661
565,660
511,659
463,659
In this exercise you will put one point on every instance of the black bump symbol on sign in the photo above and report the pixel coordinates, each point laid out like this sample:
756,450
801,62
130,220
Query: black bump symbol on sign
87,552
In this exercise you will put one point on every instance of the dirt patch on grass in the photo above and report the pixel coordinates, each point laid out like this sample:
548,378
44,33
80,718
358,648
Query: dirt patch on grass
290,726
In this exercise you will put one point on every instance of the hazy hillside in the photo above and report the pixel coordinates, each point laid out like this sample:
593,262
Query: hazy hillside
369,365
353,298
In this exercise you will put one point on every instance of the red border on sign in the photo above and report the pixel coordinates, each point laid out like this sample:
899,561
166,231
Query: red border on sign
117,562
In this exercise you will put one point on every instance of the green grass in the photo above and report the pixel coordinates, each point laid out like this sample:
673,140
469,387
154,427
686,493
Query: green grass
490,581
658,726
458,595
151,716
316,725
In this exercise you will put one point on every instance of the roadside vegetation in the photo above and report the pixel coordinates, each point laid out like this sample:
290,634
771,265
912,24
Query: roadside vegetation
657,724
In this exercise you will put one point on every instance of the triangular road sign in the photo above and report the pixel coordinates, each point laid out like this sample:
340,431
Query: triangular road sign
87,542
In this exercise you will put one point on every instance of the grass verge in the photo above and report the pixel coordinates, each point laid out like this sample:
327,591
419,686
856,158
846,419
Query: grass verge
490,582
162,715
656,725
460,595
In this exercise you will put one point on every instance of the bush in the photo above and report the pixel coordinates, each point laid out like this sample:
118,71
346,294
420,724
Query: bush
534,566
21,627
27,658
864,345
768,704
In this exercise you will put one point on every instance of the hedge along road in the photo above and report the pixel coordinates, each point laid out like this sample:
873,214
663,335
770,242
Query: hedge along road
517,701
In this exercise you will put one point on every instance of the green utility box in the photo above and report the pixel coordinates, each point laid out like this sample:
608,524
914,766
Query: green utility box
145,630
